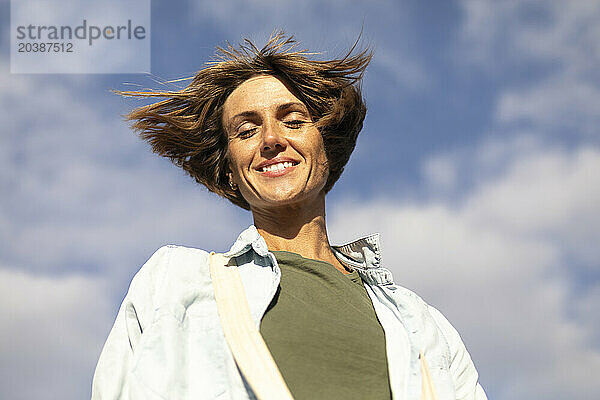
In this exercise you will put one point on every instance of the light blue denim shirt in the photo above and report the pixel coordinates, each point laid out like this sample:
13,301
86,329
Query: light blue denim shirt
167,341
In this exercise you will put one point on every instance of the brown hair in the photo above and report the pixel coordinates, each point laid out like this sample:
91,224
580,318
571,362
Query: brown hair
186,127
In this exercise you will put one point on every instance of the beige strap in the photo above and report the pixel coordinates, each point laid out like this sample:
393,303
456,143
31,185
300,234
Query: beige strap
427,387
247,345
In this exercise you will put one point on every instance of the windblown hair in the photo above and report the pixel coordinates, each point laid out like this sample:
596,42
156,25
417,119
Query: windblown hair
187,126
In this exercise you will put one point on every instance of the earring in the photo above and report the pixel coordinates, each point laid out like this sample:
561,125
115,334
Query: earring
232,184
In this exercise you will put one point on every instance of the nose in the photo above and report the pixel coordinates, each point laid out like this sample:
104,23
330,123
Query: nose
273,139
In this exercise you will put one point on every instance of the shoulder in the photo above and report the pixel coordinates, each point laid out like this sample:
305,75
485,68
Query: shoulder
167,264
441,341
464,375
162,259
462,368
419,307
458,351
450,333
433,317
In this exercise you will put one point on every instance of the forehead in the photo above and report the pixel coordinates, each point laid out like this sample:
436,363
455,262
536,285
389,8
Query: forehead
258,93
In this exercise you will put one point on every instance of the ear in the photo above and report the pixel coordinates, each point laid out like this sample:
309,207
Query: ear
229,170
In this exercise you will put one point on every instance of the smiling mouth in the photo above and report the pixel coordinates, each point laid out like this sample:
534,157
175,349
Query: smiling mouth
277,167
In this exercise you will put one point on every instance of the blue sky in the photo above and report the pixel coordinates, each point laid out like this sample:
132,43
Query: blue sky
478,163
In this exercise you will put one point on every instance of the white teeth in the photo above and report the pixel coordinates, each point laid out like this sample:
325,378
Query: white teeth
277,167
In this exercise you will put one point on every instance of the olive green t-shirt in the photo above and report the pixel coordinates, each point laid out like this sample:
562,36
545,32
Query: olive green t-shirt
323,333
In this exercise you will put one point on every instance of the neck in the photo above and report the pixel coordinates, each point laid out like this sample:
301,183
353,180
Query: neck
297,229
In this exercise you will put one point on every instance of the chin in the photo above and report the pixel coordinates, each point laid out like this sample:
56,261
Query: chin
282,201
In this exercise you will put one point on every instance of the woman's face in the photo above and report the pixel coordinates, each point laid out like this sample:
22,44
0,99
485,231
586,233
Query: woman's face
276,154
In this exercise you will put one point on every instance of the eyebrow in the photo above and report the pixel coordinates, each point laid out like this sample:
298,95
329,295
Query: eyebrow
280,108
293,104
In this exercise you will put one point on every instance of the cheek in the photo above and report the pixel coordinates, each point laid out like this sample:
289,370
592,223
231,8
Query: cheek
322,155
320,162
236,158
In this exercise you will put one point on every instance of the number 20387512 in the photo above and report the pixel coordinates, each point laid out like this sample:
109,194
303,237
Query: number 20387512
45,47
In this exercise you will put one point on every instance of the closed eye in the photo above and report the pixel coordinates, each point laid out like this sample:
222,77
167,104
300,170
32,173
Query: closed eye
247,133
295,124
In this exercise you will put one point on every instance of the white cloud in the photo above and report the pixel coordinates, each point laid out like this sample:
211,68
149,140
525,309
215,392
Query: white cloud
52,329
441,172
569,104
554,193
516,31
557,39
494,263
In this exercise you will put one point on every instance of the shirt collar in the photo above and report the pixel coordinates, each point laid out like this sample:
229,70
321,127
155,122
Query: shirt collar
363,253
248,239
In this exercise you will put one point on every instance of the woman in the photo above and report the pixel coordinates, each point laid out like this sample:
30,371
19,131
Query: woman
271,131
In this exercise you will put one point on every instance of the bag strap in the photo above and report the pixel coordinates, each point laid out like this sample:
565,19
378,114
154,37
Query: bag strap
427,386
243,337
